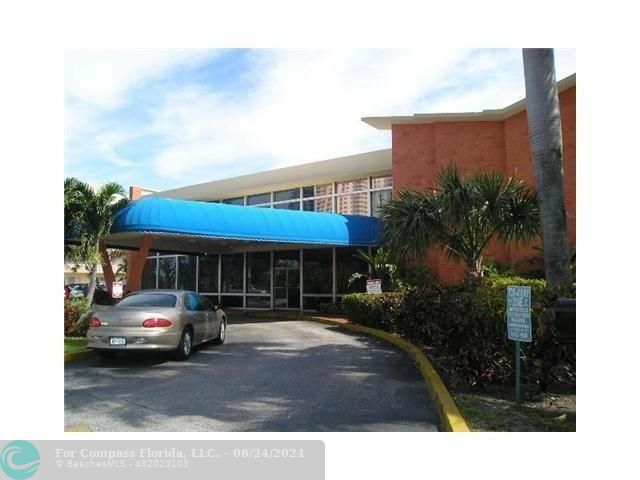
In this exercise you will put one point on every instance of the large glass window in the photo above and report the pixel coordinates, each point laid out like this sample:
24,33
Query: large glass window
356,204
382,182
149,274
346,265
288,205
283,195
258,272
232,266
378,199
286,259
167,272
234,201
286,289
318,271
258,302
231,301
318,205
317,190
187,272
258,199
208,274
352,186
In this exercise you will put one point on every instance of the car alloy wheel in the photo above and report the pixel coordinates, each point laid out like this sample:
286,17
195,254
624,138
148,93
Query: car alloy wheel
223,330
187,343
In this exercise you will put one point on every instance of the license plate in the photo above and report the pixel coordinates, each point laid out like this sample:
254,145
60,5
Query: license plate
118,341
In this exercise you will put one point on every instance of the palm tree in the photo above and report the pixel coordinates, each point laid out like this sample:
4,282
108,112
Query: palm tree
462,216
381,266
545,134
88,217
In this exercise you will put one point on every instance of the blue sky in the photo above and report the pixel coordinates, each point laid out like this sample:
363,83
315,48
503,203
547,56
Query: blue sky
167,118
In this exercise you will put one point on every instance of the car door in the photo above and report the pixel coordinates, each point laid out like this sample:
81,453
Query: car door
213,321
196,317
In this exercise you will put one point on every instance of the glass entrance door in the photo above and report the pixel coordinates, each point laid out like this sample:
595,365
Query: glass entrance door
287,279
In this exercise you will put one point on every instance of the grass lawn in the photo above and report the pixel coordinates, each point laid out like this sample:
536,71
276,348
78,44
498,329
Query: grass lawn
496,410
74,344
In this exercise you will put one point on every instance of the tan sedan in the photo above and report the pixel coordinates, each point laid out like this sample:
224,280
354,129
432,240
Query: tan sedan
157,320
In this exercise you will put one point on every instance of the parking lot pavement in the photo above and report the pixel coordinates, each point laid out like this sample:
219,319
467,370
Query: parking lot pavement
268,376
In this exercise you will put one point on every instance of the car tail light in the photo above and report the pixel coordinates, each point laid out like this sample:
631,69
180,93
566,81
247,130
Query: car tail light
156,322
95,322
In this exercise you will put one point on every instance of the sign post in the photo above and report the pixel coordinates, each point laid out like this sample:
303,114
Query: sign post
519,324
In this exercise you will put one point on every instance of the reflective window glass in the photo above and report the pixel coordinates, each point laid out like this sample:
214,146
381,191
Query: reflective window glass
232,266
352,186
318,205
378,199
208,274
234,201
287,206
258,272
356,204
317,190
167,272
382,182
286,195
187,272
149,274
258,199
258,302
318,270
346,265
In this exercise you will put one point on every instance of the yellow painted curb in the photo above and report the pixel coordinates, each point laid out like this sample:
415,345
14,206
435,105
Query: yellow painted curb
70,357
451,417
80,427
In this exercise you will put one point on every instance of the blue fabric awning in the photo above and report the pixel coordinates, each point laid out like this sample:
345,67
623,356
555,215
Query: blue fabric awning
157,215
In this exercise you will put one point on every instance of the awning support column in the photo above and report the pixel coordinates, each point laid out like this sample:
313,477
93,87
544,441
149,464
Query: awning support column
137,266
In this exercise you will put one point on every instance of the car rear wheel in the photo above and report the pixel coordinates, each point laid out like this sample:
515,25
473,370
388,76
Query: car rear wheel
222,334
185,346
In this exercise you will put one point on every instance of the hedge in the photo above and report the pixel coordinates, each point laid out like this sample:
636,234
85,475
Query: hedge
464,329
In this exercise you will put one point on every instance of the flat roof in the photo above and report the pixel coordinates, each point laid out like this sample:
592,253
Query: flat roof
324,171
385,123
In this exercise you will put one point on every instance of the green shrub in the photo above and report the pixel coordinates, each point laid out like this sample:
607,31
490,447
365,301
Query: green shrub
378,311
464,329
491,297
73,310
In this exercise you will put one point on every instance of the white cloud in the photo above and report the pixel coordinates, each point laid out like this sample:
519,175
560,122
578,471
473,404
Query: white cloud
304,106
102,78
299,106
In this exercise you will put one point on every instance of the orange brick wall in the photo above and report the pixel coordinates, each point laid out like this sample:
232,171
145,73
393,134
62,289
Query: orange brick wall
420,151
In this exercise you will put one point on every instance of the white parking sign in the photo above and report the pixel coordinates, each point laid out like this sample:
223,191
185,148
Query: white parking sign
519,313
117,289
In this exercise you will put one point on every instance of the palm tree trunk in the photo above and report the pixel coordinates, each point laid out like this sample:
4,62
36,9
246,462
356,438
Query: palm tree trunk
93,275
545,135
107,269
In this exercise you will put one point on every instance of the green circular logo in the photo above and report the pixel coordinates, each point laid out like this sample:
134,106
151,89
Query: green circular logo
19,460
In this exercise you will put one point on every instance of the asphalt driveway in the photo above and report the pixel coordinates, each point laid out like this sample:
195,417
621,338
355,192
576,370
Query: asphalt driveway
268,376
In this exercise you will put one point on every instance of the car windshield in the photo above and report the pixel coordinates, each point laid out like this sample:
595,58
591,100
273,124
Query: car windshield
165,300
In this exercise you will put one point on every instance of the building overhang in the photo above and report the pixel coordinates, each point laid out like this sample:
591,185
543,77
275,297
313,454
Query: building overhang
314,173
185,226
385,123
